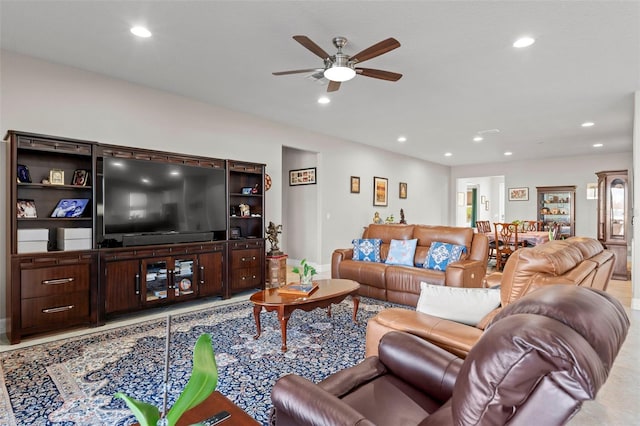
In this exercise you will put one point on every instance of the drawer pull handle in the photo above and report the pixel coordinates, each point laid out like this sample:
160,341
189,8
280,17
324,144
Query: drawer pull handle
58,281
58,309
201,275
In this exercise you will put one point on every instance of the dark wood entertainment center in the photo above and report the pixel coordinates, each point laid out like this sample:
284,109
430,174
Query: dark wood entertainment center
54,285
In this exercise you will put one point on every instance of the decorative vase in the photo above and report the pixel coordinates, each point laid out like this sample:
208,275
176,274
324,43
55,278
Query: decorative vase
306,280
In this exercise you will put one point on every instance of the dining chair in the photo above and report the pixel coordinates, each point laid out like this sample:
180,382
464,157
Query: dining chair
532,225
483,227
554,230
506,239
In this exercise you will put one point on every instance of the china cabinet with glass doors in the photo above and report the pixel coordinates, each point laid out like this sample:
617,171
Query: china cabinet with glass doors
613,214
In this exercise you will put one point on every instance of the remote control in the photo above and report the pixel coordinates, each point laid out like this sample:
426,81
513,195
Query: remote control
218,418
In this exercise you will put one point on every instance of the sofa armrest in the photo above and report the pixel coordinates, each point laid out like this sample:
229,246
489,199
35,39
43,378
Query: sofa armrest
338,256
465,273
452,336
420,363
298,401
346,380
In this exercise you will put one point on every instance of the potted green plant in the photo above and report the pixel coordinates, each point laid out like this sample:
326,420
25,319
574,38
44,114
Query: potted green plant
201,384
305,271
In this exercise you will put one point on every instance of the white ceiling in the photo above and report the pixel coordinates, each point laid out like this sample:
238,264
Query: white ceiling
460,73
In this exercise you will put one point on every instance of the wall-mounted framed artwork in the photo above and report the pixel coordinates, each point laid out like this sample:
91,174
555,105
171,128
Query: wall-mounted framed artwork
302,176
518,194
355,184
380,191
402,191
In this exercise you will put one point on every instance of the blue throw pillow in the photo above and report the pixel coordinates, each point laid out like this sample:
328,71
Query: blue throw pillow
441,254
367,250
401,252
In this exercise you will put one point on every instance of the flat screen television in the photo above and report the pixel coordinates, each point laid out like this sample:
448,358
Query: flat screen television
171,202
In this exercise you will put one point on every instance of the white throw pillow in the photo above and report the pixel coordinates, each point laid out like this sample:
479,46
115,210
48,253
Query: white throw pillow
465,305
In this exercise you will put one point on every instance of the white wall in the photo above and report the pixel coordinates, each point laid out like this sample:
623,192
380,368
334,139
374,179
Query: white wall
47,98
576,171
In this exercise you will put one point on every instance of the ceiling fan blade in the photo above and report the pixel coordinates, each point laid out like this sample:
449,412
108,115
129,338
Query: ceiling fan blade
310,45
297,71
376,50
382,75
333,86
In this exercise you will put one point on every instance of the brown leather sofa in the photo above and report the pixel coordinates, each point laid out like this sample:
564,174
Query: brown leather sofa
537,362
401,284
576,261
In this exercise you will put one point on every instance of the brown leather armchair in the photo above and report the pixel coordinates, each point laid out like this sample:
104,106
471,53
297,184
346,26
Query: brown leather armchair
538,360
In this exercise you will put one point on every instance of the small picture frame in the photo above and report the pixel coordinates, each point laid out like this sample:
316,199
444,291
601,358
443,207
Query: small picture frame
519,194
80,177
380,191
402,192
246,190
355,184
23,174
56,177
234,233
70,207
302,176
26,209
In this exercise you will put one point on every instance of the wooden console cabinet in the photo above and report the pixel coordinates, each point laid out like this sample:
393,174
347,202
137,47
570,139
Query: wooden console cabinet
62,276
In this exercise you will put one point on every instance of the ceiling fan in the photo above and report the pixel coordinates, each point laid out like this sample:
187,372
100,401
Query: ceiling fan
342,67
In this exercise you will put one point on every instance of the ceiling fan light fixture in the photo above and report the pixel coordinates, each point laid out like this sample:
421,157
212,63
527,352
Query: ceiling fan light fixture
339,73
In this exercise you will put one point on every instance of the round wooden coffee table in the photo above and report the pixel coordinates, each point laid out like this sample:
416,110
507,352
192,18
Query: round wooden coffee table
329,291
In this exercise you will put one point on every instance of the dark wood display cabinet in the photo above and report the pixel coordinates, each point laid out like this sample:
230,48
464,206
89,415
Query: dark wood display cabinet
153,228
144,277
557,204
613,214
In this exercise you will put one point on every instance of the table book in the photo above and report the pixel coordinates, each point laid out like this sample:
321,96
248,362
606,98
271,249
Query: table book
298,289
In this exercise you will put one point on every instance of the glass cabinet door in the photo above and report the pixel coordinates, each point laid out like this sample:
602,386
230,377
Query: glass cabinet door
617,194
183,277
157,280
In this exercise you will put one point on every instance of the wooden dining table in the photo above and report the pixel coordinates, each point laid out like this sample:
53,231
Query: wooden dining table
533,238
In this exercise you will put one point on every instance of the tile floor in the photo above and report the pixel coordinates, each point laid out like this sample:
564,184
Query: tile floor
616,404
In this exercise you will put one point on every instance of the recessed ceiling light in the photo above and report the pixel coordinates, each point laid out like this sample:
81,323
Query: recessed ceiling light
598,145
523,42
402,139
174,173
448,154
323,100
141,32
144,180
478,138
508,153
588,124
117,164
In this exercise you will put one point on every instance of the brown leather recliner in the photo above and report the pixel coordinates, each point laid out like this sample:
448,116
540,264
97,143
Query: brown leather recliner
539,359
578,261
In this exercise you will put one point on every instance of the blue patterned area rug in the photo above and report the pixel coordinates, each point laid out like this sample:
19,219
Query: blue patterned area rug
72,381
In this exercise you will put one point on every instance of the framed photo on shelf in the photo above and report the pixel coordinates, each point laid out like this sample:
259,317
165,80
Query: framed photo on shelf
246,190
80,177
70,207
234,233
403,190
519,194
302,176
26,209
355,184
380,191
23,174
56,177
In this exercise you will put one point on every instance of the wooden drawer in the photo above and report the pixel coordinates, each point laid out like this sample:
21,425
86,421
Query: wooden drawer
55,280
245,258
246,244
247,278
55,311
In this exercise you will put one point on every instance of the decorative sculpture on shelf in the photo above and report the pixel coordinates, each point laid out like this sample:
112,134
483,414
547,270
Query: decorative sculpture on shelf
245,210
389,219
377,218
272,237
402,220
